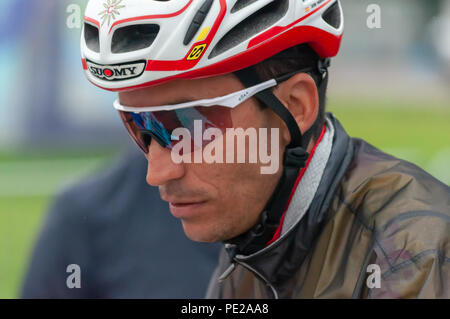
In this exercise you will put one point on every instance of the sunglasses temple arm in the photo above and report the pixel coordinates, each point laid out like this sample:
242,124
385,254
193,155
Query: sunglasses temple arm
285,77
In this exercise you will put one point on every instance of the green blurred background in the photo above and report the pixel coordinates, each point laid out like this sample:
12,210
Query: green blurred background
388,86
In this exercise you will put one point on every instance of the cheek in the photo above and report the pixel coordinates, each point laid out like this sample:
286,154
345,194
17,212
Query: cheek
247,114
240,190
230,186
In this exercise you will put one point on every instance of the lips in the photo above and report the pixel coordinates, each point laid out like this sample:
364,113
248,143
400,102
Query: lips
184,204
186,209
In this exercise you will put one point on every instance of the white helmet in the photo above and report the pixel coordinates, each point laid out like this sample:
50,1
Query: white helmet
128,44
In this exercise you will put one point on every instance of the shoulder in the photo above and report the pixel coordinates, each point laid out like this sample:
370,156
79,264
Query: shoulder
386,187
406,210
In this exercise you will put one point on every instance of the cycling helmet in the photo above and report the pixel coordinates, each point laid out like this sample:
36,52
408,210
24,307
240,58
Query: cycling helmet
129,44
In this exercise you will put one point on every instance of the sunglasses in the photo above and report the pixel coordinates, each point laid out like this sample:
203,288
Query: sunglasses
158,123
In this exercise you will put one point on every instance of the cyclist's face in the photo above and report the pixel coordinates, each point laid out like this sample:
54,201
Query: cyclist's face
215,201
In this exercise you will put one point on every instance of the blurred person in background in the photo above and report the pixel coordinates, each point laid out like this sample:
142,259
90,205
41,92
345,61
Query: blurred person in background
338,209
121,235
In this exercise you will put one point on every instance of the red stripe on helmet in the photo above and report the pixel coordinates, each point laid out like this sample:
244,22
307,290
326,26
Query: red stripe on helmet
184,64
92,21
83,61
155,16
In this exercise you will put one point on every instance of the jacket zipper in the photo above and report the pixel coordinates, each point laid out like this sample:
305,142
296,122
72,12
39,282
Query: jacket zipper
275,294
232,267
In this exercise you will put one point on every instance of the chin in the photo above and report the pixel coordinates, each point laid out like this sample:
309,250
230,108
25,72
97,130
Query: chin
200,233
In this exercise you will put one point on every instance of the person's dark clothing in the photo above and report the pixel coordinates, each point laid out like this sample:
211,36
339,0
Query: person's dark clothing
123,237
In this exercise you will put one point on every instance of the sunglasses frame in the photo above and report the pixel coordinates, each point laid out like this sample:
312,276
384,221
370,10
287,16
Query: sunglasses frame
231,100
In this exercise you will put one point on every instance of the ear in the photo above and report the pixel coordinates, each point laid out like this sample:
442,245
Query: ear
300,96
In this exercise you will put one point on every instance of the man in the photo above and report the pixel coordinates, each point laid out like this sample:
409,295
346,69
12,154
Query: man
337,219
121,235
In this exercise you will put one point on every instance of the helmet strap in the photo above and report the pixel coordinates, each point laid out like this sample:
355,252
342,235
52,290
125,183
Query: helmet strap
249,77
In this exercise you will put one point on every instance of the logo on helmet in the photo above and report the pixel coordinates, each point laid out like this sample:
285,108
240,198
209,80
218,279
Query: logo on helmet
111,11
196,52
116,72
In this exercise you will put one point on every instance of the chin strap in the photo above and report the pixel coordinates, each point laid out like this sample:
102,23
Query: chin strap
295,158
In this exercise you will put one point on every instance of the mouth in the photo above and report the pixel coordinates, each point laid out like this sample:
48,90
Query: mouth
186,209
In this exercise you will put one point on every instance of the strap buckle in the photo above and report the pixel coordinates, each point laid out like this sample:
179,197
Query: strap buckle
323,65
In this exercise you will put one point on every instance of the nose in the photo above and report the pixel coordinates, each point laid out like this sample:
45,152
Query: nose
161,169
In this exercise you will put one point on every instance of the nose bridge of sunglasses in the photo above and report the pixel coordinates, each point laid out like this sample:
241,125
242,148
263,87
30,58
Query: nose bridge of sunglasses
148,136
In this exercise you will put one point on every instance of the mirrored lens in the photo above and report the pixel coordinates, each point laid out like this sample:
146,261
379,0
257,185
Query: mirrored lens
134,131
194,122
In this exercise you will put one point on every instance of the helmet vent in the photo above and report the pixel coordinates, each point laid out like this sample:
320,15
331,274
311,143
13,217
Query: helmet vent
134,37
241,4
91,37
198,20
332,15
251,26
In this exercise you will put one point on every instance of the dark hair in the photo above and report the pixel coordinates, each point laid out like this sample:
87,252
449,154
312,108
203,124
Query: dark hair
291,60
